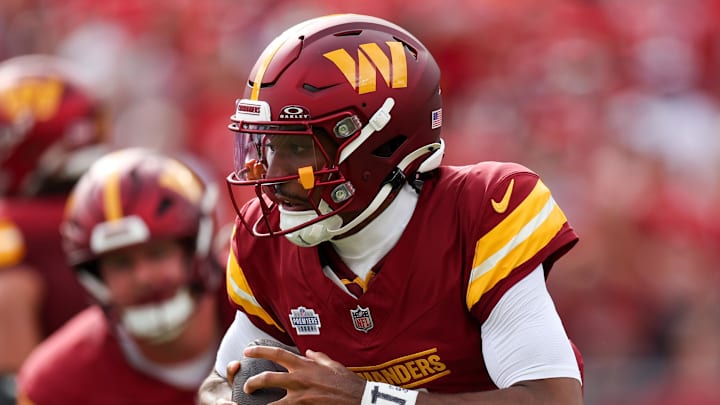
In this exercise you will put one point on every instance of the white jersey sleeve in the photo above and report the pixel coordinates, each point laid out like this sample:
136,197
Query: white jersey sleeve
524,339
238,335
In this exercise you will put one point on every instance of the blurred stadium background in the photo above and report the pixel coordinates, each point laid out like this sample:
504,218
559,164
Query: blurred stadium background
616,103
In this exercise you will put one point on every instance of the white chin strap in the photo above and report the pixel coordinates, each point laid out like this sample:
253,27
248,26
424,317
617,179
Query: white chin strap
160,322
332,226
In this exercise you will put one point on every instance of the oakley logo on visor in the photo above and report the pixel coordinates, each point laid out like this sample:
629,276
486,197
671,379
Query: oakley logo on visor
294,112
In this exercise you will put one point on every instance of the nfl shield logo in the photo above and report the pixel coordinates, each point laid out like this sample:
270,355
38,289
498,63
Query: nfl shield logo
362,319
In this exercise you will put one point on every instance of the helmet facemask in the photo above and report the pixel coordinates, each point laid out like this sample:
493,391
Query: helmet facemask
311,157
306,174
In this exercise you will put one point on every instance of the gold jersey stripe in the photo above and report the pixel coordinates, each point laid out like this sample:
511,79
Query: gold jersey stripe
426,380
502,249
241,294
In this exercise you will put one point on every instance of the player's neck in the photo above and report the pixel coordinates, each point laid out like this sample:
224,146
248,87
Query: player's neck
362,250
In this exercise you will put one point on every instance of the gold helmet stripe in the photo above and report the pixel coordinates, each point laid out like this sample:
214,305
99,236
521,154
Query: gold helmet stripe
111,197
272,49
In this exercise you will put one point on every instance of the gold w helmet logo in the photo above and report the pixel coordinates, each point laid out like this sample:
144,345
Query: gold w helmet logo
39,96
362,73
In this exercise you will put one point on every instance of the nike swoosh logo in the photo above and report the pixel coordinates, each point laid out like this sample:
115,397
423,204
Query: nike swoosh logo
501,206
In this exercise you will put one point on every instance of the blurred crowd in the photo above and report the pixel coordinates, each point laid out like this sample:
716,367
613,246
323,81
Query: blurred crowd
615,103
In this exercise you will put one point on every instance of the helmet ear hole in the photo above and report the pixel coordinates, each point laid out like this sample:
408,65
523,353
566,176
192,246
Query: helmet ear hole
165,204
388,148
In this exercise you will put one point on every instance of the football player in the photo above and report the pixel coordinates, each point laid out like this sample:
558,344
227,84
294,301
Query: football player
51,128
400,280
138,231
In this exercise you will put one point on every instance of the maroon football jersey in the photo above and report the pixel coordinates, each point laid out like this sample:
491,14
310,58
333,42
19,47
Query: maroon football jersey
38,221
83,364
476,231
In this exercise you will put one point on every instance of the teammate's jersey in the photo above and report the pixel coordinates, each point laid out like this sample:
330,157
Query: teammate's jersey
30,233
475,232
83,363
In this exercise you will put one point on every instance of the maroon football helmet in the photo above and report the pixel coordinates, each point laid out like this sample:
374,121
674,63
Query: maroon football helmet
51,128
365,85
133,196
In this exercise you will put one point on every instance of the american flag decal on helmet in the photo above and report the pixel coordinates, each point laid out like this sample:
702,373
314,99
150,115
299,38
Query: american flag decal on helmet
436,119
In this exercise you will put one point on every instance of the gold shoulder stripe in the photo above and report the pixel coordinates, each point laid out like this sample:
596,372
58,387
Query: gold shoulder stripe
12,245
523,233
241,294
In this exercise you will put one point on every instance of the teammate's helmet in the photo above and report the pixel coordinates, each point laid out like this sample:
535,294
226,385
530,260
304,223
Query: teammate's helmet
133,196
367,84
50,125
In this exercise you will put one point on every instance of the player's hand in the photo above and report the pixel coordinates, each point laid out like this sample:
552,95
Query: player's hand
313,379
232,369
216,390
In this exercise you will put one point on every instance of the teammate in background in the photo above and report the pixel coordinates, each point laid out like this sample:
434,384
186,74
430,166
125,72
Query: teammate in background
383,267
138,231
51,128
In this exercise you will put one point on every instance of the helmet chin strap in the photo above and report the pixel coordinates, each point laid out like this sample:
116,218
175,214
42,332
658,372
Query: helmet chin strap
386,189
331,227
97,289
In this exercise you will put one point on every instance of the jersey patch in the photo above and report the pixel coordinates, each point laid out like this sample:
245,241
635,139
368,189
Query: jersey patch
362,320
305,321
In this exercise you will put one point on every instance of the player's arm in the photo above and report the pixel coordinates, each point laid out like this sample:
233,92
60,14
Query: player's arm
21,293
316,378
526,351
20,299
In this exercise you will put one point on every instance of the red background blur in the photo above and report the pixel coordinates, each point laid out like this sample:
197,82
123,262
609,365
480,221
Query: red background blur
615,103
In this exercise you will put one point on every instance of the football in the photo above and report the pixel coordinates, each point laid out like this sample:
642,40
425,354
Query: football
249,367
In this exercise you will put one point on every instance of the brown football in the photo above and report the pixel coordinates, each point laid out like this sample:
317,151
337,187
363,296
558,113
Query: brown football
249,367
